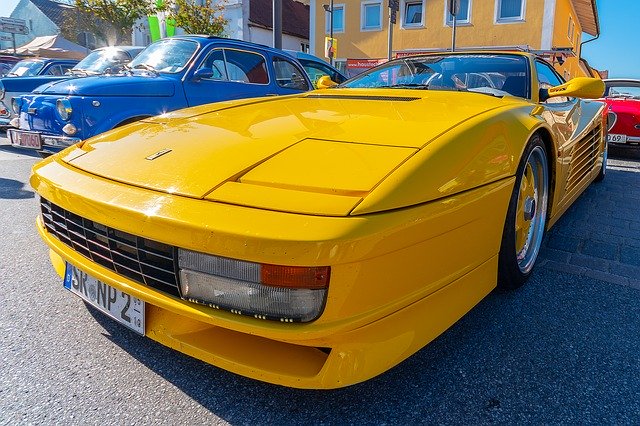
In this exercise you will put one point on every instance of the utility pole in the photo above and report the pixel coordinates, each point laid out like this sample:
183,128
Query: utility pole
454,8
394,7
329,9
277,24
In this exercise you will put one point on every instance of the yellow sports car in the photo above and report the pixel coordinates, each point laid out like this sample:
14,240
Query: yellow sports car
317,240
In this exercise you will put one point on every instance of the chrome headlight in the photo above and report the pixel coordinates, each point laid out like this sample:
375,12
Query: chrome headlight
2,91
16,103
63,106
274,292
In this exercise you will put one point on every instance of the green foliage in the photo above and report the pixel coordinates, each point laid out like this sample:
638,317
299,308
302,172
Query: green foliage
197,19
120,14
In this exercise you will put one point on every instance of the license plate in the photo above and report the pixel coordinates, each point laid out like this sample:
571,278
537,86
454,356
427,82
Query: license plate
24,139
614,138
122,307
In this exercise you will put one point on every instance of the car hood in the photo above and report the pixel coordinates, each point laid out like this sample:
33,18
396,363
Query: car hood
27,84
112,85
316,153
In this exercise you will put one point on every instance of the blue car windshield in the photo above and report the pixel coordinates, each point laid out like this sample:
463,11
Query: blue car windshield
26,69
492,74
99,61
169,56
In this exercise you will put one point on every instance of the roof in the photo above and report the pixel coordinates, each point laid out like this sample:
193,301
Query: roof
295,16
54,10
587,16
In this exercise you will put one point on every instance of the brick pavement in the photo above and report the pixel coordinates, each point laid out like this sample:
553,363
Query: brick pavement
599,236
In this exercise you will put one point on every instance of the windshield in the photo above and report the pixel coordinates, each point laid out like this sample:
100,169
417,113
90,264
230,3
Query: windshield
497,75
622,90
101,60
26,69
169,56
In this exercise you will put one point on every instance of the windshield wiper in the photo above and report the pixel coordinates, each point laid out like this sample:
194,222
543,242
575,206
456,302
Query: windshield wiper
77,71
146,68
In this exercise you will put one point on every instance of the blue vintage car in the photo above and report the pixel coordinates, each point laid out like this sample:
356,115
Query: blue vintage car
104,59
170,74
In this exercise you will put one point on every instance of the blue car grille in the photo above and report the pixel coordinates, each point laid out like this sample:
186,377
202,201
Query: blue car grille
142,260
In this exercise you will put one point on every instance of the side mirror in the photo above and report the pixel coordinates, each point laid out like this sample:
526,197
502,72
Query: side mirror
325,82
202,73
579,87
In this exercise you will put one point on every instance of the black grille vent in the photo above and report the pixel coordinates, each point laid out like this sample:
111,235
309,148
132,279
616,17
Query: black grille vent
366,98
145,261
584,156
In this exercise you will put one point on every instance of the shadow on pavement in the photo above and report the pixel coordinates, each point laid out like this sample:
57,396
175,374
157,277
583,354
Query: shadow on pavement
12,189
13,150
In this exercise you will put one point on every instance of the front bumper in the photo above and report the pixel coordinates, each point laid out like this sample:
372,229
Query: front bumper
49,144
398,279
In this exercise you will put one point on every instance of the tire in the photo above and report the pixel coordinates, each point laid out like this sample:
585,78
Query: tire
526,217
603,168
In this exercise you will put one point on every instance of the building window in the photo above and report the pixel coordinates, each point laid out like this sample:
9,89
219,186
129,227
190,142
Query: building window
371,15
510,10
464,14
413,14
338,19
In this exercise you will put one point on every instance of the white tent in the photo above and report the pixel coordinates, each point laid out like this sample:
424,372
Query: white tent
54,46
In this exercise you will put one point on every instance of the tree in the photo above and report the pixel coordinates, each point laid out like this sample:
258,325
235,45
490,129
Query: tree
120,14
197,19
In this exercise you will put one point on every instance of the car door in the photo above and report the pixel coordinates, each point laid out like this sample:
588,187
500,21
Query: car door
227,73
290,78
575,145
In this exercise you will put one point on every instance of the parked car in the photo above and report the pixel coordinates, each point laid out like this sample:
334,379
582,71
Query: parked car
317,240
6,63
623,99
316,67
169,74
41,66
105,59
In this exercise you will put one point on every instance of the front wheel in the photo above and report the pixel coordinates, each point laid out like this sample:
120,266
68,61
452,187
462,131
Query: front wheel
526,217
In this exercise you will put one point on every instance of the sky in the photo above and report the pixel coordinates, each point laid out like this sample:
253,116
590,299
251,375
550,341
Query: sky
617,49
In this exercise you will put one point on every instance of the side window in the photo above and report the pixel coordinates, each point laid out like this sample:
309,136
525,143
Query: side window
289,76
316,70
215,61
547,77
246,67
54,70
65,68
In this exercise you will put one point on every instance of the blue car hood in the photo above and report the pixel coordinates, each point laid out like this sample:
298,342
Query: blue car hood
27,84
112,85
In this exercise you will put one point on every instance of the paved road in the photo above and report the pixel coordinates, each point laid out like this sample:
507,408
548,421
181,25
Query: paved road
563,349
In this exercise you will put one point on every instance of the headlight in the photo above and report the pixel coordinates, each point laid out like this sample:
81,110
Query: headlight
1,91
63,106
16,103
274,292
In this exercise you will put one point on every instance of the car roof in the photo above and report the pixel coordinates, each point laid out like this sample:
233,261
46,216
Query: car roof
203,38
125,48
630,81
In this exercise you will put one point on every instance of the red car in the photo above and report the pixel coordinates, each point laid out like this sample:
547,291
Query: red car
623,98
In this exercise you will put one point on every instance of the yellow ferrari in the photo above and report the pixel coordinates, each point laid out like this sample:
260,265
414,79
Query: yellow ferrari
317,240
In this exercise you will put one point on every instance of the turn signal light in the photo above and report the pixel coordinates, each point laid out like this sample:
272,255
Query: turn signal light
295,276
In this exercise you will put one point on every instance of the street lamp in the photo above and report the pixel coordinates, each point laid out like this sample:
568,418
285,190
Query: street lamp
329,8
